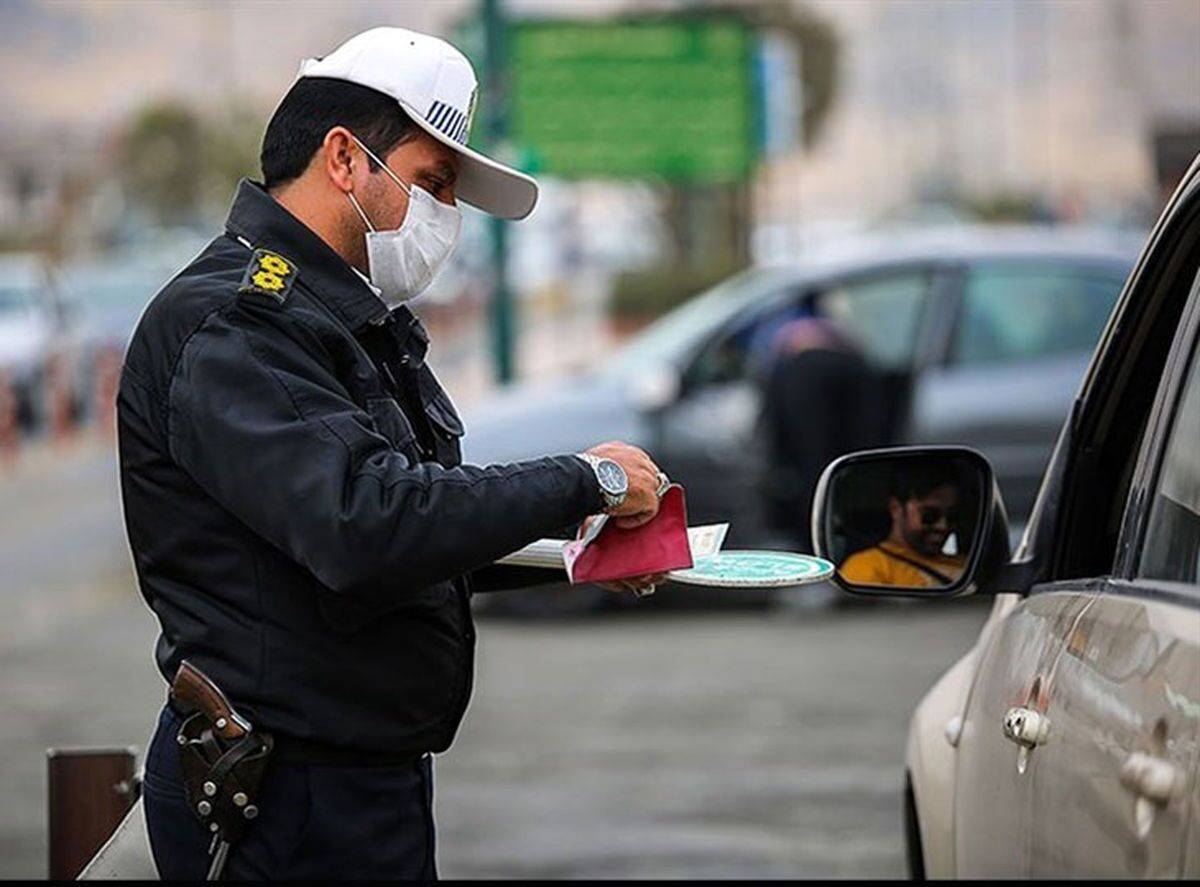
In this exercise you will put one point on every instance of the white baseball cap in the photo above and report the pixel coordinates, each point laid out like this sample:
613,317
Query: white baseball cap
435,85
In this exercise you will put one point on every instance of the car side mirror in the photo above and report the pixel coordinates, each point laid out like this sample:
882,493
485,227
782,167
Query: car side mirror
911,521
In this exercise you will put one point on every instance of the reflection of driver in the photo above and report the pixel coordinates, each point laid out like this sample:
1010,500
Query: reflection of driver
915,552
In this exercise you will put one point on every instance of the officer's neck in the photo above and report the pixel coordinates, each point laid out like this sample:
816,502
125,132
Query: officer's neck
312,207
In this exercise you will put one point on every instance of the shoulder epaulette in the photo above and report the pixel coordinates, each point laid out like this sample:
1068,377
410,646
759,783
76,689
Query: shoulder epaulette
269,274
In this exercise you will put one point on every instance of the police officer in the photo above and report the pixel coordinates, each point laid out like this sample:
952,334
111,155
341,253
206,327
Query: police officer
300,521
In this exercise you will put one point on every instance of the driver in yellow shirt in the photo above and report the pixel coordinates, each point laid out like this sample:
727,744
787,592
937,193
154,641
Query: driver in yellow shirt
914,553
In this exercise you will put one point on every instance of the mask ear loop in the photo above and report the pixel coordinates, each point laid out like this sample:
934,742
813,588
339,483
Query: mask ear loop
362,215
395,178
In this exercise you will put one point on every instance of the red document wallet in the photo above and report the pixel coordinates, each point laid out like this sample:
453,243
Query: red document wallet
608,552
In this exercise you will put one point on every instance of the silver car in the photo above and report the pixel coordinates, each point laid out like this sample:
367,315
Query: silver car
1066,743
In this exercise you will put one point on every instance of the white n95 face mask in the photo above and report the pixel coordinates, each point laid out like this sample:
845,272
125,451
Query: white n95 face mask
403,262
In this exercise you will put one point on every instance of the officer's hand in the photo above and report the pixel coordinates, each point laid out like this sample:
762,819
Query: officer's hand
641,502
639,585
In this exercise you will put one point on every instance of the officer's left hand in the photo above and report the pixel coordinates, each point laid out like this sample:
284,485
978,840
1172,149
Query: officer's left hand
639,585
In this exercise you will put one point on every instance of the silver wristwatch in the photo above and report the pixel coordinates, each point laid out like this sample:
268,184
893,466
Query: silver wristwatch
614,483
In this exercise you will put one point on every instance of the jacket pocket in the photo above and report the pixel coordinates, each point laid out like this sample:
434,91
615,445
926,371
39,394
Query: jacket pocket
394,425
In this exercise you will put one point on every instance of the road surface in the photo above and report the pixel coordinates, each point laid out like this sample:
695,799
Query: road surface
751,744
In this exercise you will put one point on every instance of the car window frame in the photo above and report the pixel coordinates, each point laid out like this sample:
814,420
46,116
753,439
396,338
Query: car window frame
1184,355
1048,553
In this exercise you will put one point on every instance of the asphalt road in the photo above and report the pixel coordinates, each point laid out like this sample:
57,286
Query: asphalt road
641,744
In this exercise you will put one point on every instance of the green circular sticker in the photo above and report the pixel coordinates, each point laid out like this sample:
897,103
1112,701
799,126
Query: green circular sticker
754,569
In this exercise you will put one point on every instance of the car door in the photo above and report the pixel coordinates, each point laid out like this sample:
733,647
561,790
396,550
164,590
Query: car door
706,439
1116,783
1023,334
993,800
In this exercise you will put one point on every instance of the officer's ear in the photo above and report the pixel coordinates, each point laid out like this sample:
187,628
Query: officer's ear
342,159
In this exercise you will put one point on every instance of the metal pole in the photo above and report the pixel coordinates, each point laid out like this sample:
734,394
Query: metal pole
501,309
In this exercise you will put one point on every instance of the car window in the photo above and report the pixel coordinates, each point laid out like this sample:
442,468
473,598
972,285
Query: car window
742,350
882,313
1171,549
1019,313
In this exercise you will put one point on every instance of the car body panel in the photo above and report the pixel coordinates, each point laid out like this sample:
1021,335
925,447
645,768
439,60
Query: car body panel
707,444
1128,682
937,724
993,785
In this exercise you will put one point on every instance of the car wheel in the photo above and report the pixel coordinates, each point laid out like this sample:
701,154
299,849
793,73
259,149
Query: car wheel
912,834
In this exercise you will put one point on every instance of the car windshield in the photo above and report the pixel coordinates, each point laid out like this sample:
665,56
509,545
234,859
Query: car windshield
669,339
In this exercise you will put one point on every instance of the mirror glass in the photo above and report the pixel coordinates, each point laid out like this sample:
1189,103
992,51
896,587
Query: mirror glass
906,522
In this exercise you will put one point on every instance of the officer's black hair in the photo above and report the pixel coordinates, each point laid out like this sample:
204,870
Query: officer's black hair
312,107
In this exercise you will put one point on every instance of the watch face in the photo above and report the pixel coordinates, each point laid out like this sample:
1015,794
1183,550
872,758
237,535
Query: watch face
612,477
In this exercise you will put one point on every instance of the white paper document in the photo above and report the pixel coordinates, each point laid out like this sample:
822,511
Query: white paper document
548,553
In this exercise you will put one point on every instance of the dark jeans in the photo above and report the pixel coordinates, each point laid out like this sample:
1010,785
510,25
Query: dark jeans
316,820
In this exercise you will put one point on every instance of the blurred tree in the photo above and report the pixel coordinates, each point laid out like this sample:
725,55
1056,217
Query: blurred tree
160,158
180,167
817,45
711,227
1009,206
229,151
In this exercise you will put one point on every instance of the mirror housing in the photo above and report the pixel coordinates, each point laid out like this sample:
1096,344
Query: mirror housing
859,516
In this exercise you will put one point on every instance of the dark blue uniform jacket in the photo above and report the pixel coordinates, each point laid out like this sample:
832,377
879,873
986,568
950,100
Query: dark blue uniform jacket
299,518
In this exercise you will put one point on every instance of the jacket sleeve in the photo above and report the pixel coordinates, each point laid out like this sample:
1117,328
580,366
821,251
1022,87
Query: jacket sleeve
258,419
506,577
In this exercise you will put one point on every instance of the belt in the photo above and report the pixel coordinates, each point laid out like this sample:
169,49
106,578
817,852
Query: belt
295,750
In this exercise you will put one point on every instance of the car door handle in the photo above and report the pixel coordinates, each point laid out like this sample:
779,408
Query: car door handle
1027,727
1153,778
1155,782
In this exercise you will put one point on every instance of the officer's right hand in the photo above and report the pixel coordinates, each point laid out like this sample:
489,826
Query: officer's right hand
641,502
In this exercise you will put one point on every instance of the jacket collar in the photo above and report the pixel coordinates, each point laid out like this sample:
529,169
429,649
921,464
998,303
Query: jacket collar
259,218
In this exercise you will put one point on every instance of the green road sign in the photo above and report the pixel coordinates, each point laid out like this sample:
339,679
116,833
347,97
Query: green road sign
670,98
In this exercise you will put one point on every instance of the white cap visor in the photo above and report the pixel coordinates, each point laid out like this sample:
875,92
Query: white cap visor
485,183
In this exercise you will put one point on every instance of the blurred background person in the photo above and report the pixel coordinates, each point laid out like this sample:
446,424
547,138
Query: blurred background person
821,399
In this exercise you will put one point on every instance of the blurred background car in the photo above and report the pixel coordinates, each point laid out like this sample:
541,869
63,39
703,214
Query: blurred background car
108,292
979,336
38,337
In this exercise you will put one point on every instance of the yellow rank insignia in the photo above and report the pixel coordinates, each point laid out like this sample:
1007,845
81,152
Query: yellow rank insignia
270,274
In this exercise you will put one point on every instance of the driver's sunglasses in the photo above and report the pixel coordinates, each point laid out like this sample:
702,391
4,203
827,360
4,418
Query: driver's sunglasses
931,514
